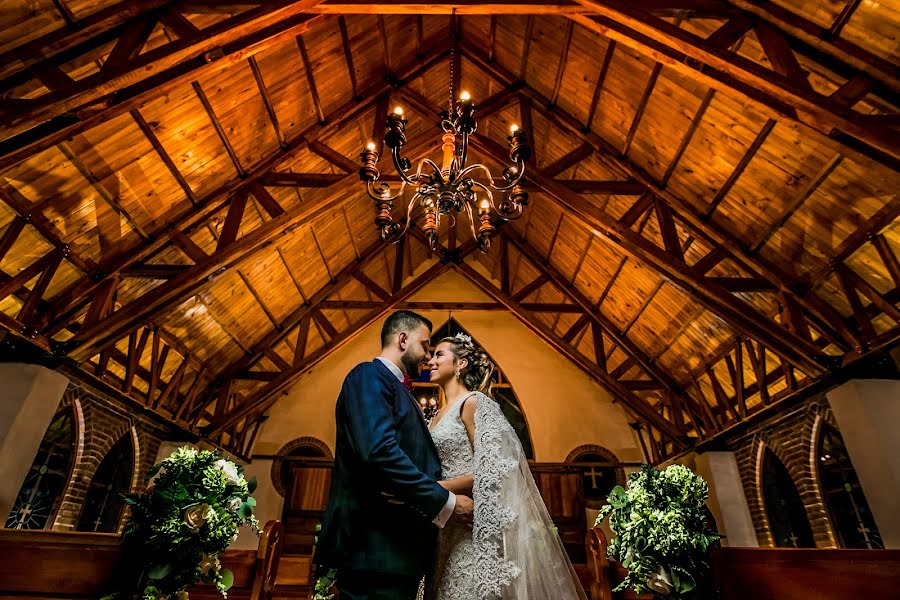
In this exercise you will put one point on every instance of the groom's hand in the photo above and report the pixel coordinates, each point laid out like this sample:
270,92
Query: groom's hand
462,512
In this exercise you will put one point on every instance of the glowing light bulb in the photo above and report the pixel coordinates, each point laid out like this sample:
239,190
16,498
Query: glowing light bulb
398,111
513,128
484,204
465,96
371,146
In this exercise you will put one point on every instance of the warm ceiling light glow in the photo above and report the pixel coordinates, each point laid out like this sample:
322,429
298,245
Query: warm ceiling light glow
513,128
371,146
398,110
465,96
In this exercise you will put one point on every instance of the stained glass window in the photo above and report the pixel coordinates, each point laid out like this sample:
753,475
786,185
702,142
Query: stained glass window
853,522
103,503
45,483
784,507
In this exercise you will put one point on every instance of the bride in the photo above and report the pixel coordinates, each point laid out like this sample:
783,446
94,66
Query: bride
513,550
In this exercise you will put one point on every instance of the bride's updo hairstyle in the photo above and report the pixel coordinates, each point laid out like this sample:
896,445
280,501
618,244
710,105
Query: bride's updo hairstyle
476,375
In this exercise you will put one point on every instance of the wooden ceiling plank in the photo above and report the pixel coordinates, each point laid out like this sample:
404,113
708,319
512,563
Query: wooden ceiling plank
176,22
728,71
738,313
257,29
825,316
266,200
757,362
616,188
532,287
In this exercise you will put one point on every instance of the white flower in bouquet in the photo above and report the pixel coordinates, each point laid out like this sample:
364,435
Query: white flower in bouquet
230,470
234,504
195,517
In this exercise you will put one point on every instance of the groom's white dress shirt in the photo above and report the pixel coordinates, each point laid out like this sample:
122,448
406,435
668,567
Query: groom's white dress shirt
447,511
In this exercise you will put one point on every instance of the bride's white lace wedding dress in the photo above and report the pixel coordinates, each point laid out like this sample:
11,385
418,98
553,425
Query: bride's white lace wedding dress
513,551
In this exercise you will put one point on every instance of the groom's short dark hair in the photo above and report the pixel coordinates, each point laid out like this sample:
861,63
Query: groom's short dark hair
401,320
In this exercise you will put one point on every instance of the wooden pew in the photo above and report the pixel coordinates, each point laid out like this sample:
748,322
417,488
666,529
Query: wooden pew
771,573
606,574
803,574
64,565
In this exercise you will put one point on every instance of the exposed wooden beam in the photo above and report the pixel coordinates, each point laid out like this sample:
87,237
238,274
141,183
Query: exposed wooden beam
726,71
634,403
738,313
245,34
70,300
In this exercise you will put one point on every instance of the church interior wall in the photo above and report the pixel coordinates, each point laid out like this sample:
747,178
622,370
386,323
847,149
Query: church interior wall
564,408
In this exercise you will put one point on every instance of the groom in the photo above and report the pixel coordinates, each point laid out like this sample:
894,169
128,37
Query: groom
385,505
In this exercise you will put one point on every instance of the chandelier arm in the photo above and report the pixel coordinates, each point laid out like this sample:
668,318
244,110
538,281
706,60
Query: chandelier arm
434,167
476,167
464,152
398,162
520,173
394,231
472,219
370,185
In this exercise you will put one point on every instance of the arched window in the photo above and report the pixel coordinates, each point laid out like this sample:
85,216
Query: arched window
429,395
103,503
45,483
600,478
784,507
850,515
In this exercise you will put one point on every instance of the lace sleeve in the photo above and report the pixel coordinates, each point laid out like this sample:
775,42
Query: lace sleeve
518,553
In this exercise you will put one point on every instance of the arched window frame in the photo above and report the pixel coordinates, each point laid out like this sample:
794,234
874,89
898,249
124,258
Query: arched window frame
587,449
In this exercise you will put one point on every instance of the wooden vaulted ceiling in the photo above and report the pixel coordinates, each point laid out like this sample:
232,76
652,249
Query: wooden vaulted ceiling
713,218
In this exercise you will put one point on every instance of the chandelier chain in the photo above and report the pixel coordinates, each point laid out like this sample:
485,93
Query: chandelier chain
452,60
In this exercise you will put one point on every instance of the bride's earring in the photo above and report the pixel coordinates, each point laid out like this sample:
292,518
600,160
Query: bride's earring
457,373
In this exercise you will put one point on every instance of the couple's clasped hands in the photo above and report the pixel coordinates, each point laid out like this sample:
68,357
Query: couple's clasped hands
462,487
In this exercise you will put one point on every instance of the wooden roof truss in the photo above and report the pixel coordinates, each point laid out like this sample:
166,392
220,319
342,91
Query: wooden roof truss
786,336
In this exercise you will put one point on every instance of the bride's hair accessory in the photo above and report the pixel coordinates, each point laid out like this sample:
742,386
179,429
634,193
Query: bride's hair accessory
463,338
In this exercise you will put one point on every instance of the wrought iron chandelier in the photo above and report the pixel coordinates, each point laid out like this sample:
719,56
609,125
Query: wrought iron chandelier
442,192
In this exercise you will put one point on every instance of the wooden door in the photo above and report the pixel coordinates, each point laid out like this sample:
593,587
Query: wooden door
304,504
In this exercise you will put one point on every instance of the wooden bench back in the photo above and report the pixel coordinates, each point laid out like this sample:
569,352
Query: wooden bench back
76,565
803,574
772,573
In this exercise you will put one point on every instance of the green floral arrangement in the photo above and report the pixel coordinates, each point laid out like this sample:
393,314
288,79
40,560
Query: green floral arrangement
661,533
180,525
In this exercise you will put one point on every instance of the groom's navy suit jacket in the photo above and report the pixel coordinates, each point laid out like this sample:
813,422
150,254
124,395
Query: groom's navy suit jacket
384,494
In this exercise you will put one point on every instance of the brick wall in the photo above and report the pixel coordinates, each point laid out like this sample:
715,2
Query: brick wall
100,422
793,437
